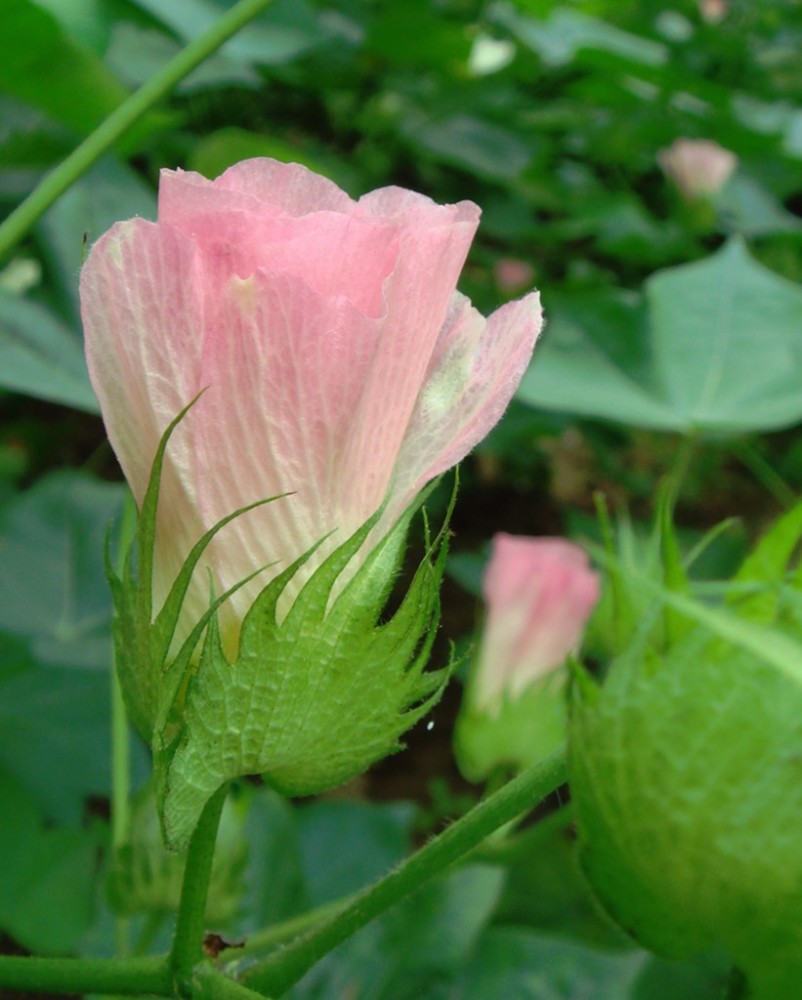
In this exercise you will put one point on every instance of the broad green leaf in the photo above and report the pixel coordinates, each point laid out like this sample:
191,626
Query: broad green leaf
377,836
54,731
718,350
282,32
110,191
42,65
594,361
40,356
52,578
510,962
415,951
470,143
47,876
727,337
566,31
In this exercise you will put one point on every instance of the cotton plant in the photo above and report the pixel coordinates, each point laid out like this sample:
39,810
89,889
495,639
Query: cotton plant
538,595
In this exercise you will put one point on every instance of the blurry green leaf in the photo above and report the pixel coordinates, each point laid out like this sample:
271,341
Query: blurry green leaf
515,963
84,20
30,142
51,575
413,951
41,357
566,31
722,351
418,34
281,33
42,65
749,209
594,360
472,144
347,845
703,978
54,737
109,192
47,893
727,337
136,54
274,879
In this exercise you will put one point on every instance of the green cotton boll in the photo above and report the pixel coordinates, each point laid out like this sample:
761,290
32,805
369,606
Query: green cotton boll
686,771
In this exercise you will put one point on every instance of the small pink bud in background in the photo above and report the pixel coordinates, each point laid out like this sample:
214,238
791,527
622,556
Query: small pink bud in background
539,594
699,168
513,275
713,11
338,361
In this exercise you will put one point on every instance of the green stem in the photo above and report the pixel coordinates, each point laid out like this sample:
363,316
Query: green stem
121,740
121,119
210,984
270,937
121,976
187,949
277,973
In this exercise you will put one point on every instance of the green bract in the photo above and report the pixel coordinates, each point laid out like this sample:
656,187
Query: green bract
686,769
309,701
525,729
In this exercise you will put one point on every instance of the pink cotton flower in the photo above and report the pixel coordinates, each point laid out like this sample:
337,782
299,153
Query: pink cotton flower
539,594
339,363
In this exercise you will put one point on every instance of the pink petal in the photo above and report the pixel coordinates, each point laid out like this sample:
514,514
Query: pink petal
473,374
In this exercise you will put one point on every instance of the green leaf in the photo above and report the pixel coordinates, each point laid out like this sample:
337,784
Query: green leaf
41,64
378,838
470,143
558,38
282,32
40,356
509,962
54,735
713,323
595,360
47,876
697,361
110,191
51,574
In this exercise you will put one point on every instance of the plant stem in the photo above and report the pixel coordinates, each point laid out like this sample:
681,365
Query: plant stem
121,740
189,928
121,119
277,973
210,984
121,976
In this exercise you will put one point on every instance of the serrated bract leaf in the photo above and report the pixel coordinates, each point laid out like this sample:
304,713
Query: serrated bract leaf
312,698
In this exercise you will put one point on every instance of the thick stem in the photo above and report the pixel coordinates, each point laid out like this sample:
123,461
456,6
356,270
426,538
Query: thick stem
187,949
120,120
121,976
277,973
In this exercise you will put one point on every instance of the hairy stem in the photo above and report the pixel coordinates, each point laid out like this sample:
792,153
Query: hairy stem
120,120
277,973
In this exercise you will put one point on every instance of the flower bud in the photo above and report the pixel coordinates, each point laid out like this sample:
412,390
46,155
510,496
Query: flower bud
332,364
699,168
539,593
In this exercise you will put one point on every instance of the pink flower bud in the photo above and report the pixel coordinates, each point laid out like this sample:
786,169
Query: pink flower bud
513,275
339,362
700,168
539,594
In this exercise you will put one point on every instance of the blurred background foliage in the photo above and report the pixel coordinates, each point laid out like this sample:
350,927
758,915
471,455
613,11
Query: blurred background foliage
673,348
